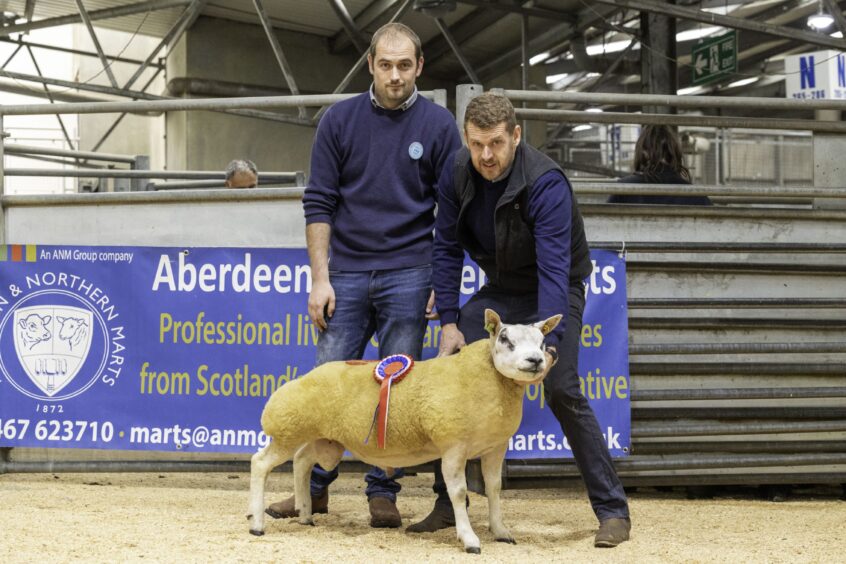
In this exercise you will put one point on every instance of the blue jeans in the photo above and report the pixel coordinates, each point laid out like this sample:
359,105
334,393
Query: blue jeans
391,303
562,394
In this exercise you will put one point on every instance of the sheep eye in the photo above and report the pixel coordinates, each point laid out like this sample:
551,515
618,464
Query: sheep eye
506,341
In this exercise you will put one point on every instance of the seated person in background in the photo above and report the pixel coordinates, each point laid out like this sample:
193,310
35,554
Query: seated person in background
241,174
658,160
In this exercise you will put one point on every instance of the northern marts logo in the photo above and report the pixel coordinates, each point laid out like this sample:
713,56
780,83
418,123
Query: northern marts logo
52,344
55,344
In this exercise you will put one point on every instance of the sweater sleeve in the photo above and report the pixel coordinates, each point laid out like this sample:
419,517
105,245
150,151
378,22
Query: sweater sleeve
447,254
321,196
550,209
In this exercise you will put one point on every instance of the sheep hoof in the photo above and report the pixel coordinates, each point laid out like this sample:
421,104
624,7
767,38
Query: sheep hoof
256,532
507,540
473,550
307,522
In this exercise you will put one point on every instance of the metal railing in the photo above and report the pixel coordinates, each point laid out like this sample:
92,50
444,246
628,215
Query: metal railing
651,422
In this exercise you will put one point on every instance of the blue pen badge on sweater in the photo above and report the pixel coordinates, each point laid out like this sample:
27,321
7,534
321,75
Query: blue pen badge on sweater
415,150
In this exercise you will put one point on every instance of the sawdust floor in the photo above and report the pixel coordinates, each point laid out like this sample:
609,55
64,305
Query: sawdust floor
201,518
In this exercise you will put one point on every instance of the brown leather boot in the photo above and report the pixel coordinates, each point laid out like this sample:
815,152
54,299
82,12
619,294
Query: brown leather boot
287,508
441,517
612,532
384,513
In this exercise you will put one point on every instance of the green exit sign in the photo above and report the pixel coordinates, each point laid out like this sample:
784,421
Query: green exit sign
714,58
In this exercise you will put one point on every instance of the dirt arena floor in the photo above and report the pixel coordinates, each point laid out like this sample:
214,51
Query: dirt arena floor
201,518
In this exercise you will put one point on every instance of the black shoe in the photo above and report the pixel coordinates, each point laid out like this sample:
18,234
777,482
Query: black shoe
441,517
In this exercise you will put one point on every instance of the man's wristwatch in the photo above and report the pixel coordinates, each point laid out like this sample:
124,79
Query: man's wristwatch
553,352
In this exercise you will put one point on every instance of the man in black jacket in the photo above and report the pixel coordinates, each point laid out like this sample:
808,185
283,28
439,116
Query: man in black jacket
512,209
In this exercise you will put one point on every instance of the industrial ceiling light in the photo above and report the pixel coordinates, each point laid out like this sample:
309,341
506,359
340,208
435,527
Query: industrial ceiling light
435,8
820,20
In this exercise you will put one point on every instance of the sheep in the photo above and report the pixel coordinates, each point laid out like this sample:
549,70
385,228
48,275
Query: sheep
455,408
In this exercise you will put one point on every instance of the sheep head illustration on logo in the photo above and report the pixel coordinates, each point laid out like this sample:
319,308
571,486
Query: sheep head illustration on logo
52,343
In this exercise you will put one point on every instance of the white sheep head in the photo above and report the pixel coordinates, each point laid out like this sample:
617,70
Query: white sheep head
518,351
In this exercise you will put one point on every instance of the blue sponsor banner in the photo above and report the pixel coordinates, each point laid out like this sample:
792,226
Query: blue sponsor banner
175,349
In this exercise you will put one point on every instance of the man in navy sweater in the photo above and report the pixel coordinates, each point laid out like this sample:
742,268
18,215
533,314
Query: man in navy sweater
512,209
369,209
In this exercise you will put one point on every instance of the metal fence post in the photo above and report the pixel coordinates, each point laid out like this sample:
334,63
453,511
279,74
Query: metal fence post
440,97
463,94
142,162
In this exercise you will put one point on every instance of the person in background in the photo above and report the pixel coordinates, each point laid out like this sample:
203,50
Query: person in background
369,210
512,209
658,160
241,174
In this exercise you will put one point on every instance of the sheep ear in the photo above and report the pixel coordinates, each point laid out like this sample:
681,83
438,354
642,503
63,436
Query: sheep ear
492,321
549,324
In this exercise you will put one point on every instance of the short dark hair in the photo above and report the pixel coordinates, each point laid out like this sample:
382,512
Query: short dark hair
657,147
392,30
489,110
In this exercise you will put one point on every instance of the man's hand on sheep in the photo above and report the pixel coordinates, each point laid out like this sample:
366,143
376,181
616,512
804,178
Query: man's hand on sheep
452,340
321,300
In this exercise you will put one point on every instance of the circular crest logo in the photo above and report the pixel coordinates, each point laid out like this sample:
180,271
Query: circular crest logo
54,345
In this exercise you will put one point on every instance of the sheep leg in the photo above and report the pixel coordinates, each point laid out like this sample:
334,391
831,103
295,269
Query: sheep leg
261,464
492,472
304,461
453,463
328,453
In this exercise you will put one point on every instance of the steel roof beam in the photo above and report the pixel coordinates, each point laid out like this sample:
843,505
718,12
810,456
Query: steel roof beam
360,42
278,53
464,29
50,97
554,36
21,43
836,13
672,10
29,7
183,22
373,12
465,64
107,66
103,14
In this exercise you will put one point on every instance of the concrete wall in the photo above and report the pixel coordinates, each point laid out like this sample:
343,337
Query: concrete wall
238,52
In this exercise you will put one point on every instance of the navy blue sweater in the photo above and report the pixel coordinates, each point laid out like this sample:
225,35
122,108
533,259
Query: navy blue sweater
366,183
549,212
